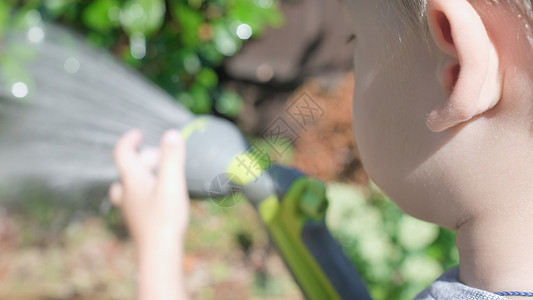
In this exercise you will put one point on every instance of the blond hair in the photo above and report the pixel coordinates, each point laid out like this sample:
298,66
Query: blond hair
413,13
414,10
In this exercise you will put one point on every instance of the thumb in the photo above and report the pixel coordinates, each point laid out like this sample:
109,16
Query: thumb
172,164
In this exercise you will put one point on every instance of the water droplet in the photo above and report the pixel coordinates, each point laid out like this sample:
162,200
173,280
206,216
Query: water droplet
33,17
264,3
138,45
19,89
35,34
226,46
192,64
136,11
114,14
244,31
72,65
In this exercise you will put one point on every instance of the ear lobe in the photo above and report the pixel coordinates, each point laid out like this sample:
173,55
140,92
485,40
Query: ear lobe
472,78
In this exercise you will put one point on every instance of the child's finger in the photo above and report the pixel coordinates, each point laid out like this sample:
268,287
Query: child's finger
125,149
149,158
171,170
126,157
116,193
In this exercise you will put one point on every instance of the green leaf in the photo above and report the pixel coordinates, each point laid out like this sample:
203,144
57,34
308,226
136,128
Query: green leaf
129,59
96,15
207,78
58,7
142,16
202,101
210,53
225,42
414,234
5,10
190,20
185,99
192,63
229,104
196,4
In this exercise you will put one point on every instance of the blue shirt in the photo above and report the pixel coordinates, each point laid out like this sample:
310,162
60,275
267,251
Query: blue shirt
448,287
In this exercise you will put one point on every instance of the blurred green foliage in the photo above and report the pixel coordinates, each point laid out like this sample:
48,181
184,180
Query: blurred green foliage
397,255
177,44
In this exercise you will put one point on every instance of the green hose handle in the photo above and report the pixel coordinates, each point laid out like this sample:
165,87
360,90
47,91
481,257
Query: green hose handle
296,225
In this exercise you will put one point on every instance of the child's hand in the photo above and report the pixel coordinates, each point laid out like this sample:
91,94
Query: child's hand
156,210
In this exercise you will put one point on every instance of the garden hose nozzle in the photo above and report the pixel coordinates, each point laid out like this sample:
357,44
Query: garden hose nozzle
220,162
293,207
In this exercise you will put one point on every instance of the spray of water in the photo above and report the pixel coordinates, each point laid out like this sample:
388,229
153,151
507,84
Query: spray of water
63,105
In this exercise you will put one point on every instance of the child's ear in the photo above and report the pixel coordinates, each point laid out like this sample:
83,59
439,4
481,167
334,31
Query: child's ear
472,78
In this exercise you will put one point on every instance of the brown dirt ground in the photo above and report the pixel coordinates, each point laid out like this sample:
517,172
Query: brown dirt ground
327,149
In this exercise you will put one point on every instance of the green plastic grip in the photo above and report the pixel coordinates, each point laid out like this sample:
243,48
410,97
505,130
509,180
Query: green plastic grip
305,201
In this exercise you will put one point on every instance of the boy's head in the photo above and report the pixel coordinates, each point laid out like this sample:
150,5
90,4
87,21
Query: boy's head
443,103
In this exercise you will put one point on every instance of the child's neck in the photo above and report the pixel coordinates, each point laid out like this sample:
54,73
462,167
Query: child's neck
496,250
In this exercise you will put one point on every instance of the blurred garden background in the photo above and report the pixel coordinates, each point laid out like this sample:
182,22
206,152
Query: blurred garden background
246,61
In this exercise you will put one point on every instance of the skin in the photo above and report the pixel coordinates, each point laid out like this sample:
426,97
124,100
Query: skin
156,211
469,170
